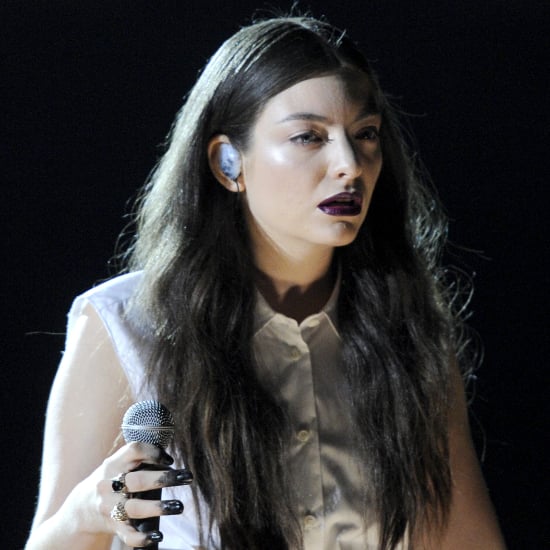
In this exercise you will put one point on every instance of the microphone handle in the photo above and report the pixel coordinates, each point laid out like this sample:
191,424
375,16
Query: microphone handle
146,525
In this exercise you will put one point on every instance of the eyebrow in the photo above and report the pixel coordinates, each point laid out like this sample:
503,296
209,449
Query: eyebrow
304,116
364,113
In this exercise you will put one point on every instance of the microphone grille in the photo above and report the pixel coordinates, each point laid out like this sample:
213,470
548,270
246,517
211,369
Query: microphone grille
148,422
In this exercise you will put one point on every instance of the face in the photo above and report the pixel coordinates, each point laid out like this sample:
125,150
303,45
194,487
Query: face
311,167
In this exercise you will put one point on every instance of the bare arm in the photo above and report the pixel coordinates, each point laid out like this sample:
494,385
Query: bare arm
472,523
88,399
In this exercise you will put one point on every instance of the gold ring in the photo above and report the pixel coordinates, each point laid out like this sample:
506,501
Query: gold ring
118,513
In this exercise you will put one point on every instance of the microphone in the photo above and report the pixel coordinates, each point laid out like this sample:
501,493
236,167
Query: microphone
148,422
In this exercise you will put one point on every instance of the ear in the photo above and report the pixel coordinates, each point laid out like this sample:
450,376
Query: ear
225,162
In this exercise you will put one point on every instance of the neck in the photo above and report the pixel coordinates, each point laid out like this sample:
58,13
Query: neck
296,287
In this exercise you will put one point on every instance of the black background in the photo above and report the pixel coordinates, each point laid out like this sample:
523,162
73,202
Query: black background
89,90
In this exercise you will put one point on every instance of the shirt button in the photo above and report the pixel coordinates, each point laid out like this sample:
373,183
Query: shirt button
310,522
295,354
303,435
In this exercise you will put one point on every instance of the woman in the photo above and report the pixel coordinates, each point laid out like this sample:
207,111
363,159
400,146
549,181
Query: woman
308,351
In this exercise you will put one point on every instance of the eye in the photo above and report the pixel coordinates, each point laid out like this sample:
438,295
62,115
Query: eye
370,133
307,138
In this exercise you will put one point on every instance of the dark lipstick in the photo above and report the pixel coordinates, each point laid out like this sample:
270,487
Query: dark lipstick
342,204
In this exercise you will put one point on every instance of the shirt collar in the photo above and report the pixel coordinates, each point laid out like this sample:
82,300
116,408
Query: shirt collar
264,313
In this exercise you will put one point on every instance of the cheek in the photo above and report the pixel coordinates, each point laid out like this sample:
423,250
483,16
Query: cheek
374,169
373,160
377,172
279,176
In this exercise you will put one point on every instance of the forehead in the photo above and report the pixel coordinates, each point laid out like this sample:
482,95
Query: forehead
332,95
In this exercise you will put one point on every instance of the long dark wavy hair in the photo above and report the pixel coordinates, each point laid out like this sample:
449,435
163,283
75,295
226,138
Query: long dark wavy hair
196,301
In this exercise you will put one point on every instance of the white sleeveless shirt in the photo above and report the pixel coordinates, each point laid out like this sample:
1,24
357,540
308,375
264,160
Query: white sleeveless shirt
300,365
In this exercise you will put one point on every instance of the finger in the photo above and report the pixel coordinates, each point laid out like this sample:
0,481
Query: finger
146,480
131,457
134,539
137,508
137,452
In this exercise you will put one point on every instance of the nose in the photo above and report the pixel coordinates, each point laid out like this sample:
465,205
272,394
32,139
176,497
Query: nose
344,160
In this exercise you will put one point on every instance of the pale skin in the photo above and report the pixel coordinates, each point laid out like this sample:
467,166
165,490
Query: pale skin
310,142
79,457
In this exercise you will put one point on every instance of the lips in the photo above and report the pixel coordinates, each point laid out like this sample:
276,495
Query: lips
342,204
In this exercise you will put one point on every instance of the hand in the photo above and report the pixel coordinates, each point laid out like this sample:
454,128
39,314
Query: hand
128,459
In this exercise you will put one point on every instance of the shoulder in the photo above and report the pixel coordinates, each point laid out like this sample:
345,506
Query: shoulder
109,302
110,296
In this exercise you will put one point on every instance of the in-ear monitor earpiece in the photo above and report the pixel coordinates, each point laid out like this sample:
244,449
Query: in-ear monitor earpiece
230,160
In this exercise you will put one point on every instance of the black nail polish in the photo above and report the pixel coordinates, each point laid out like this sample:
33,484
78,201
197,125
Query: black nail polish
183,477
171,507
154,537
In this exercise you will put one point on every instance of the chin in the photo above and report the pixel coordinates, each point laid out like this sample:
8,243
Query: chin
346,233
341,244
